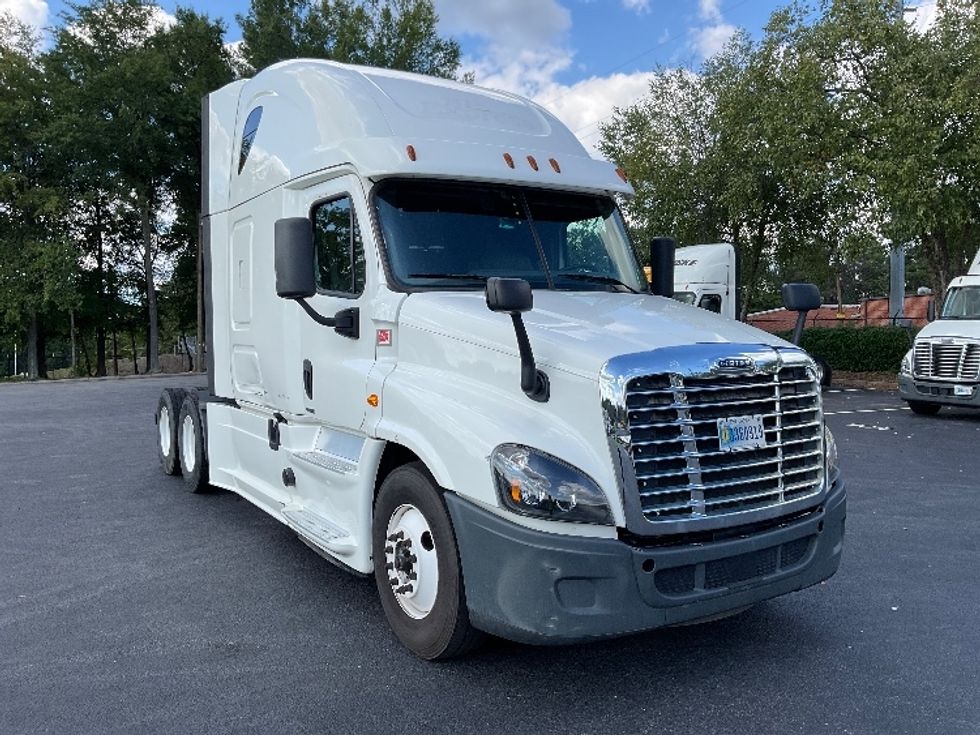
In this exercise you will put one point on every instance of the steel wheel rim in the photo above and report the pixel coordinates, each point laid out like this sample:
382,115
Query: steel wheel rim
187,449
411,561
163,426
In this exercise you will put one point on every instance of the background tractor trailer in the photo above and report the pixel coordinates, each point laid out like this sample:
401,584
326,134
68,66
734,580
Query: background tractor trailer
434,357
943,366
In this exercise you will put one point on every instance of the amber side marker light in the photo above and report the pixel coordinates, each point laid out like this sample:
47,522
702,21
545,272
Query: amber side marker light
373,400
410,149
515,491
621,174
532,162
554,165
509,160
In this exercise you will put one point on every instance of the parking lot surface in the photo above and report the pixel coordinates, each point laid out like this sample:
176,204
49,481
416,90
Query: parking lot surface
129,606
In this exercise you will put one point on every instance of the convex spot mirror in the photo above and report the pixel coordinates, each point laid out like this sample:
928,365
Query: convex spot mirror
801,296
510,295
295,276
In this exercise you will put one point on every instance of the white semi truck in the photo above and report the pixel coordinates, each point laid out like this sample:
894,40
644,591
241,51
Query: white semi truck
434,356
704,276
943,366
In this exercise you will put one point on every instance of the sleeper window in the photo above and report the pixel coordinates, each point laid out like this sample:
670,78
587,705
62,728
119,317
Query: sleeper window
339,252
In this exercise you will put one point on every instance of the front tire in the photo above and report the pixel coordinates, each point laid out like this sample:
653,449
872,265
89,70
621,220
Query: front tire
167,419
417,569
193,447
924,409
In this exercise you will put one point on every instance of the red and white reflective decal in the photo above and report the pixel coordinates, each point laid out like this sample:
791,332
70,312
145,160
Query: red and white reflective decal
384,337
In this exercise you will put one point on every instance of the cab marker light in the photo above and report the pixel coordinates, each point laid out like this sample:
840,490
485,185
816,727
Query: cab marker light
621,174
410,149
554,165
509,160
532,162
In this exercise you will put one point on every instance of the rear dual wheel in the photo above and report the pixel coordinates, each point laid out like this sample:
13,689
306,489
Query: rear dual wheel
192,444
167,418
417,569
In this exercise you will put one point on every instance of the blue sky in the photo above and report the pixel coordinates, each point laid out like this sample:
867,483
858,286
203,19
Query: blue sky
579,58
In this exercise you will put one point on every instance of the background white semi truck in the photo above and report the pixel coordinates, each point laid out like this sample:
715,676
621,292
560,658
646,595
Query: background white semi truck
704,276
943,366
433,355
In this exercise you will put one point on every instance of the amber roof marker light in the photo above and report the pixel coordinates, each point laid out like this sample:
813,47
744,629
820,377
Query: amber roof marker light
410,150
509,160
554,165
622,174
532,162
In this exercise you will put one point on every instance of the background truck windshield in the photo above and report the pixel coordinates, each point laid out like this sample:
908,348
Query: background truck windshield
449,235
962,303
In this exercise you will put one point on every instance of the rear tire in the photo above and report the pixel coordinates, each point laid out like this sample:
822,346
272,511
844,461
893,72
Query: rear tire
193,447
417,569
924,409
167,418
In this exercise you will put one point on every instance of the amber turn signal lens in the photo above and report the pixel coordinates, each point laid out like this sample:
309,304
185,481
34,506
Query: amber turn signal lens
373,400
515,491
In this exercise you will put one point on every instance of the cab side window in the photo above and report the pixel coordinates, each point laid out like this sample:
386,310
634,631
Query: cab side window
711,302
339,252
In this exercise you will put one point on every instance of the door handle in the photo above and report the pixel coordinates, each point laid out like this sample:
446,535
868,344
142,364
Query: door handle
308,378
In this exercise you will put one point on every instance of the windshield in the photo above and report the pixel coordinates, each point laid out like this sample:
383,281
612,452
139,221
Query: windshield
962,303
449,235
685,297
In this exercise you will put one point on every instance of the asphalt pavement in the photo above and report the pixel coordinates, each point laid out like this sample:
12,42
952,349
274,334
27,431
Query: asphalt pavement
128,605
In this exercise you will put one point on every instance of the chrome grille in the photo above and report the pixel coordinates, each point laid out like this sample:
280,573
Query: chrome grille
946,359
681,470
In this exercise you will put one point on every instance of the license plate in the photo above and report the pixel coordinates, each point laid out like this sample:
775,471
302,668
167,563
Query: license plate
741,432
962,390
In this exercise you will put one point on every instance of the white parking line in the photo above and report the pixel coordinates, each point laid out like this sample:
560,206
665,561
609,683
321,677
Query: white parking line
865,410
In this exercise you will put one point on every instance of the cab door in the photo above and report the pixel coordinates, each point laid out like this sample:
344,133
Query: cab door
333,365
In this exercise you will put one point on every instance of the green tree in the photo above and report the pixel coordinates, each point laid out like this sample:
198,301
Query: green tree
395,34
36,261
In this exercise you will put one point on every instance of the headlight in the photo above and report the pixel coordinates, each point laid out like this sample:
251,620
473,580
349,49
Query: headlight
906,368
536,484
830,449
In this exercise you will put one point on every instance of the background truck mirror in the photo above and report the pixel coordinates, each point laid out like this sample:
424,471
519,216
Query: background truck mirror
295,276
931,310
662,266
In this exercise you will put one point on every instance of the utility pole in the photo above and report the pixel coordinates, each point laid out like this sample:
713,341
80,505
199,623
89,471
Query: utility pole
896,291
73,362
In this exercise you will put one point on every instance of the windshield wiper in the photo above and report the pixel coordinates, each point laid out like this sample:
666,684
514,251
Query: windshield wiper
454,276
595,278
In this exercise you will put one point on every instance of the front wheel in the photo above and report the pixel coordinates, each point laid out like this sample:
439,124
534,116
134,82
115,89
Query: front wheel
417,569
924,409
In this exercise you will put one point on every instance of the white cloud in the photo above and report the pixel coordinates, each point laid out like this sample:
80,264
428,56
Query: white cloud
637,6
526,49
709,40
32,12
710,10
505,23
923,16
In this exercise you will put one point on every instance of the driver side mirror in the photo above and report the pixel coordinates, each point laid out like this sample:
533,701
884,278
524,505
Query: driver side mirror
295,277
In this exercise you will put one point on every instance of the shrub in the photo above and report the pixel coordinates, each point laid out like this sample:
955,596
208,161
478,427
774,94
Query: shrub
859,349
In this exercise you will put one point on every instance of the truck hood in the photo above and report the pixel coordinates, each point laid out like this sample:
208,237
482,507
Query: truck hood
577,331
965,328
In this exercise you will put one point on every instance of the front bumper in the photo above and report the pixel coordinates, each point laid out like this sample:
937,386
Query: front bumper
935,391
537,587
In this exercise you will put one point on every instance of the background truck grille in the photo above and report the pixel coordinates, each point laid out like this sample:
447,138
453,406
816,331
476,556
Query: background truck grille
947,359
680,469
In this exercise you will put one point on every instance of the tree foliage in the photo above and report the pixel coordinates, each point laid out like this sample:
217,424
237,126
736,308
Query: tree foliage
395,34
840,131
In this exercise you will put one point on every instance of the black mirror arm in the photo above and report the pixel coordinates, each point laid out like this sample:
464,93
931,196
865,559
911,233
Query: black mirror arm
534,383
798,329
345,322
